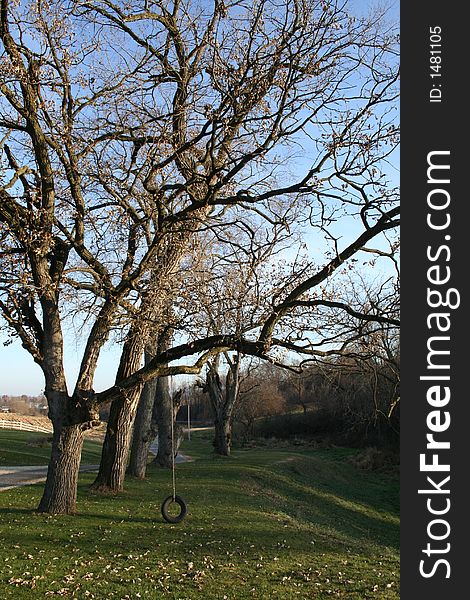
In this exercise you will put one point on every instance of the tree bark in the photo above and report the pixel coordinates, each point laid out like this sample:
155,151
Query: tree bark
145,431
115,453
146,421
116,444
223,400
67,416
60,492
166,409
223,433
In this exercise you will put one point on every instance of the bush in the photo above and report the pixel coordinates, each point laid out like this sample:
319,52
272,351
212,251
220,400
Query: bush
373,459
330,427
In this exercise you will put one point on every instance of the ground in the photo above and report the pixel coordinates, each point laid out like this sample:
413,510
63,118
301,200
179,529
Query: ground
291,522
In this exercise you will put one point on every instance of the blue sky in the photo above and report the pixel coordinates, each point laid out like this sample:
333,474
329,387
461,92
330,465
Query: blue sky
20,375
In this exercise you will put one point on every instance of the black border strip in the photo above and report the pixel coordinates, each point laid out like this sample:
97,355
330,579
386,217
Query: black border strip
430,127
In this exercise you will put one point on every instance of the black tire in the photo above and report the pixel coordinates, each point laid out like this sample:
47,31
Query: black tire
166,506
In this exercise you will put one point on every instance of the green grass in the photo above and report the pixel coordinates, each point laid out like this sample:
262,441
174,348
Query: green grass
31,448
263,524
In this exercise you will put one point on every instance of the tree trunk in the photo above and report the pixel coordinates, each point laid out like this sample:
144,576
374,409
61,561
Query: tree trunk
223,400
145,431
115,453
60,492
166,409
116,444
146,421
67,415
223,434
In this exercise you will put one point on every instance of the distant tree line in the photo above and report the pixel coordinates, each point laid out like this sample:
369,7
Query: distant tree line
24,405
350,401
353,403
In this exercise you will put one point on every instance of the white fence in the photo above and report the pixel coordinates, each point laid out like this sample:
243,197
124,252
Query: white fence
24,426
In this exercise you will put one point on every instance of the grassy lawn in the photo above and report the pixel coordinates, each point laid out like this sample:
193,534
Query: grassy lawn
266,523
31,448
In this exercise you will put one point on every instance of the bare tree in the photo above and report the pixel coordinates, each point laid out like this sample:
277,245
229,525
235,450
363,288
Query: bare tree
233,280
128,127
223,394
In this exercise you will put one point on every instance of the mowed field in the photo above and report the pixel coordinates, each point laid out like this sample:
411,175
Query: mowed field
269,522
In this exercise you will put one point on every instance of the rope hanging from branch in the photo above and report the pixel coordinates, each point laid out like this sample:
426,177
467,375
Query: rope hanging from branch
173,499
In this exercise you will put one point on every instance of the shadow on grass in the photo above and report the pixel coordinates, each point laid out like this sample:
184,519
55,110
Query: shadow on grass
255,497
14,511
339,517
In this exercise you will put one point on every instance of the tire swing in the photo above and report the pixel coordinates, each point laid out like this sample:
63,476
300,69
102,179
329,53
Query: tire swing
173,499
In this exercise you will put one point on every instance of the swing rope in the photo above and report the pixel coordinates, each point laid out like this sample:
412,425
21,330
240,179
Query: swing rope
173,449
166,513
